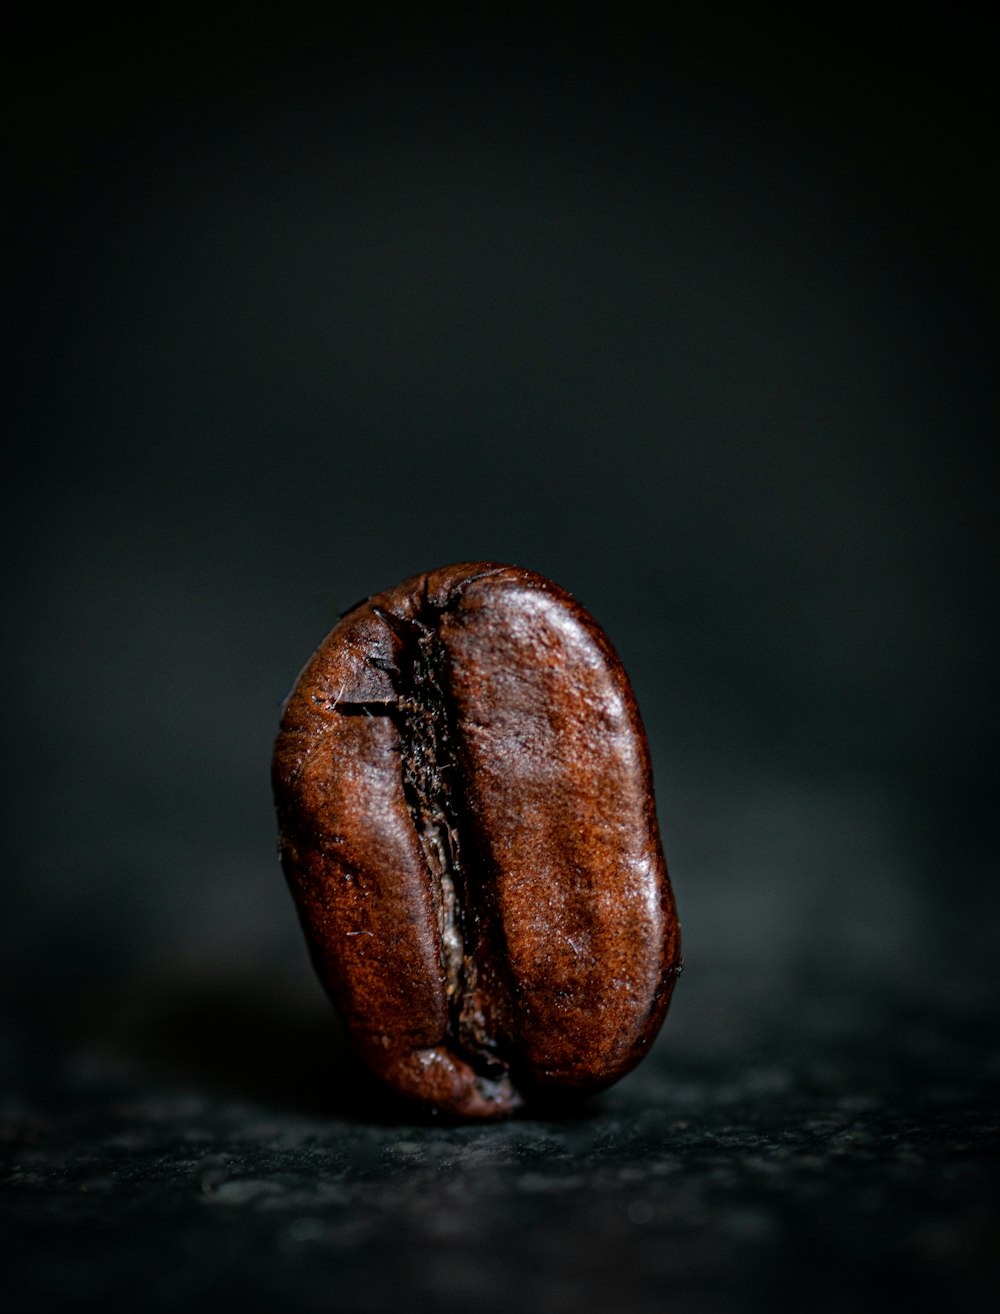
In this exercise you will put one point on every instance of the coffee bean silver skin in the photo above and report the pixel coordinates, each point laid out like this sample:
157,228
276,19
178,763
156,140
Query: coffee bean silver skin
467,825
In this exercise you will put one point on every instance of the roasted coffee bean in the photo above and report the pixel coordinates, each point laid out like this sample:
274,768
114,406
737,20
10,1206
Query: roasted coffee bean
467,825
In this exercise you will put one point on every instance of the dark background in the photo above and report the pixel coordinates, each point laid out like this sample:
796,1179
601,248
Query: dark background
694,316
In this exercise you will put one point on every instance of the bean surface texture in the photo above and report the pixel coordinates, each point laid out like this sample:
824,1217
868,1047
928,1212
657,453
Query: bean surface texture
467,825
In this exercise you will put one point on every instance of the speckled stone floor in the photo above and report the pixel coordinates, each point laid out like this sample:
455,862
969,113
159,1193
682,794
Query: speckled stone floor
808,1145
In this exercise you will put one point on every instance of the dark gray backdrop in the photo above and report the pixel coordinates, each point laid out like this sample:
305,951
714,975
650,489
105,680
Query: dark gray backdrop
695,318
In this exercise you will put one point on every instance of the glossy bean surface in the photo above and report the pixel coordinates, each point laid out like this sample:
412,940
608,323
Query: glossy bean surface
467,825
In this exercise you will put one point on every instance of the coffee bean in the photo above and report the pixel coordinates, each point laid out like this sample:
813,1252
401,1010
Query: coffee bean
467,825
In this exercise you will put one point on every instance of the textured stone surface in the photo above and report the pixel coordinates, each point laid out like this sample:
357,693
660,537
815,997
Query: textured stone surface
175,1151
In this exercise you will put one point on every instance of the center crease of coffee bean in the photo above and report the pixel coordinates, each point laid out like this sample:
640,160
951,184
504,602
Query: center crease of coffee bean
471,947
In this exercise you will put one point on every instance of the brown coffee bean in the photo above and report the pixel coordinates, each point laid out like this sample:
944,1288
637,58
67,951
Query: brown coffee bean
467,826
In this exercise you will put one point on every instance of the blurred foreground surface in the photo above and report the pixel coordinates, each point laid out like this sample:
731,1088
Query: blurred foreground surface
833,1146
